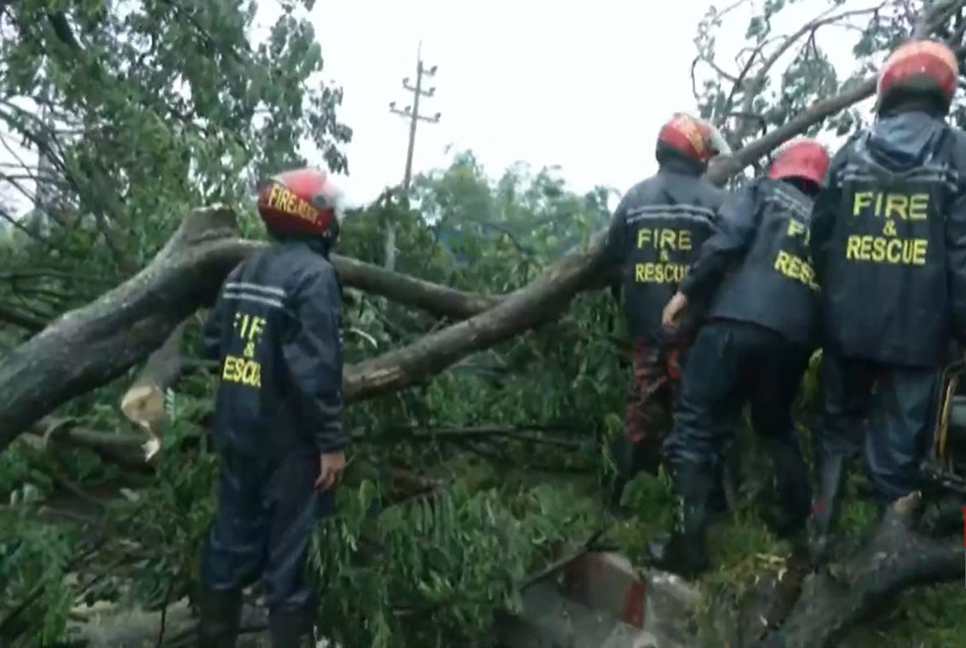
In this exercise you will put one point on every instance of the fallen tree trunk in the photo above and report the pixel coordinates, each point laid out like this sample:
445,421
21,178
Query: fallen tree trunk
897,556
131,321
91,346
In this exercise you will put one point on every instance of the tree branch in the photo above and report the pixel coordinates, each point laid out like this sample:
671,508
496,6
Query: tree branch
725,168
131,321
31,323
895,558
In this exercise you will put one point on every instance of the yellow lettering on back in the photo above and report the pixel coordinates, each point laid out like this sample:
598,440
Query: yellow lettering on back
907,207
852,247
684,239
652,272
664,239
919,206
668,239
881,249
643,237
242,371
861,200
897,203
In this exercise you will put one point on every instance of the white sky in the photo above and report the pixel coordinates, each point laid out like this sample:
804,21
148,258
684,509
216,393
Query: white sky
583,85
551,82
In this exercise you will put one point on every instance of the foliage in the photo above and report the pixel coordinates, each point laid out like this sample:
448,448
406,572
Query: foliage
432,570
34,555
147,108
783,67
158,105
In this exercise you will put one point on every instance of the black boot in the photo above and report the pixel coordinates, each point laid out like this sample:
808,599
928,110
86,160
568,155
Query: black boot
791,485
627,461
616,493
220,618
291,629
684,553
718,502
826,507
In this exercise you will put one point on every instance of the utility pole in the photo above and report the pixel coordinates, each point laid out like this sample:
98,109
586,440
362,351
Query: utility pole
43,192
412,113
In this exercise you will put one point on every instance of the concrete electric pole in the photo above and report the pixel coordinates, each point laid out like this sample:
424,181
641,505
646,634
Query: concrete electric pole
412,113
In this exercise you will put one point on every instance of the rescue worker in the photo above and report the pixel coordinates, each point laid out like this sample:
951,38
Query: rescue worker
277,420
655,234
889,245
756,276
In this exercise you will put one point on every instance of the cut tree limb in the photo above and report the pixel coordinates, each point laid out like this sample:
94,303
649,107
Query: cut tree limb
143,402
94,344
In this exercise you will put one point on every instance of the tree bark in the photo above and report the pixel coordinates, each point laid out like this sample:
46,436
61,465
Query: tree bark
520,311
898,556
122,450
435,299
92,345
143,402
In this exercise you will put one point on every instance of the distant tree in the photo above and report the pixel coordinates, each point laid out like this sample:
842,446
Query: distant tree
141,108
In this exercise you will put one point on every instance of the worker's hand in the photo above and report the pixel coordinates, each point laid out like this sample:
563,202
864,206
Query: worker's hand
331,466
671,317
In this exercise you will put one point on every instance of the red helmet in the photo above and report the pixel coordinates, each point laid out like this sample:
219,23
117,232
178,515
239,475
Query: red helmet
801,158
300,202
692,137
924,66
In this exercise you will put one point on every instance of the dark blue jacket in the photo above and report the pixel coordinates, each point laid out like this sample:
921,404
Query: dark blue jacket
756,268
655,235
275,331
889,242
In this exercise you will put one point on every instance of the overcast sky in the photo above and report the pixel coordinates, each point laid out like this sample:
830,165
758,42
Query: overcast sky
584,85
580,84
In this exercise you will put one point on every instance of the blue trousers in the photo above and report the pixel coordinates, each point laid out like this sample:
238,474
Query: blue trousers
267,512
888,408
732,364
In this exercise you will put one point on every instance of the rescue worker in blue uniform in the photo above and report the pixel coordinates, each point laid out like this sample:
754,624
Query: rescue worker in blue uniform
654,236
889,245
755,274
277,421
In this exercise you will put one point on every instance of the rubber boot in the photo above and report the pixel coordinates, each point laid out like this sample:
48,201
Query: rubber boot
718,502
616,493
794,494
291,629
220,618
826,507
684,554
626,456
